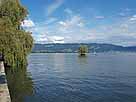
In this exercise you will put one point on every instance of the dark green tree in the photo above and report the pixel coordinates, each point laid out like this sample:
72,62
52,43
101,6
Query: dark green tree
15,42
83,49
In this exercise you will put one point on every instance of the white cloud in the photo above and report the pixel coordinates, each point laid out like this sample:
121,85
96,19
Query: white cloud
62,23
122,14
50,39
27,23
68,11
74,22
133,18
54,6
74,30
50,20
99,17
56,39
128,9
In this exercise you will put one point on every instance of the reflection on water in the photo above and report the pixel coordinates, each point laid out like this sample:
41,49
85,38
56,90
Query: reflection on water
83,60
20,84
58,62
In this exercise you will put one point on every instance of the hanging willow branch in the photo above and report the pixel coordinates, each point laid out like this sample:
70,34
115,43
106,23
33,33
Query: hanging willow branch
15,43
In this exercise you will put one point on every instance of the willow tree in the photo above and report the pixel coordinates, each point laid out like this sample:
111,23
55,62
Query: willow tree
15,42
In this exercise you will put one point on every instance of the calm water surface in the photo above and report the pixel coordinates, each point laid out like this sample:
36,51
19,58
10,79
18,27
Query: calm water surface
63,77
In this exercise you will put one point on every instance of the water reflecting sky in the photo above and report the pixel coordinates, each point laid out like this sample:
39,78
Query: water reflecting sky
70,78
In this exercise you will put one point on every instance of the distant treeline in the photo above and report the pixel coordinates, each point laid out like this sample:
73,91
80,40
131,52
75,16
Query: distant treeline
73,48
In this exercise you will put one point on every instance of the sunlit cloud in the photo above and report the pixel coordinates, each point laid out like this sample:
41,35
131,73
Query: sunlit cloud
27,23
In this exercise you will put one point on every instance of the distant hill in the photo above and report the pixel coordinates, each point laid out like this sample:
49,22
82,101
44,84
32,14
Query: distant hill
73,48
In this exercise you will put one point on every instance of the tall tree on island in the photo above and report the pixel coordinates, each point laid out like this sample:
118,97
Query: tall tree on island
15,42
83,50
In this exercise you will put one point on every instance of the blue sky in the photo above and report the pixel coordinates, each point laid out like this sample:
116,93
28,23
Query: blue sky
72,21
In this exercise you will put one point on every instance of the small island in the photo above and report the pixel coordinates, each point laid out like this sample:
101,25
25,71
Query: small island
83,50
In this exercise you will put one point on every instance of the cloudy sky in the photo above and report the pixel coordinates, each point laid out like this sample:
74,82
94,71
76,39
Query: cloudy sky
91,21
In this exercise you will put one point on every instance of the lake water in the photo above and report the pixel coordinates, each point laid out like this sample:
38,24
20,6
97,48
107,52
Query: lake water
105,77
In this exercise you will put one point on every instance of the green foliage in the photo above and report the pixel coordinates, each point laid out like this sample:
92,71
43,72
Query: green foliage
83,49
13,11
15,43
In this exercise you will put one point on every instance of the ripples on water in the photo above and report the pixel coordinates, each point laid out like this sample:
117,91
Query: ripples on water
70,78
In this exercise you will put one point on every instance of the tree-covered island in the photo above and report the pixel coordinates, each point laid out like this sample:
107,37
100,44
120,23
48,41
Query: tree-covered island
83,50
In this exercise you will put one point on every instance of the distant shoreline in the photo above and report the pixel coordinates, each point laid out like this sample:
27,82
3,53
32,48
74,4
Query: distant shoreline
73,48
89,52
